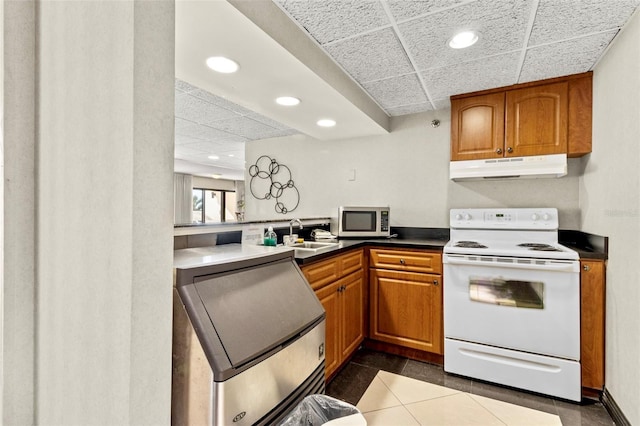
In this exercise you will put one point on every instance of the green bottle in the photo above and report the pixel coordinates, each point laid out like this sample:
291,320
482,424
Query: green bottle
270,237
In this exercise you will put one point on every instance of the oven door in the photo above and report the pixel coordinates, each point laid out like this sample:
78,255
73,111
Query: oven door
530,305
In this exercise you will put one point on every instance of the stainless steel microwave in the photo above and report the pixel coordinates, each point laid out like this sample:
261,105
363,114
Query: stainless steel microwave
363,222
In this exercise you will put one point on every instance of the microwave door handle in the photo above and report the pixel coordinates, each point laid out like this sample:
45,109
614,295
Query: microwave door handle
553,266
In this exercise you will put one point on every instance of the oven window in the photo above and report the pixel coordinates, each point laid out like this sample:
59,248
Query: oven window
506,292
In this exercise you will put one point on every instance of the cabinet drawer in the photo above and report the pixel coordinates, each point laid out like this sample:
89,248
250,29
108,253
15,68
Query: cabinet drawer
406,260
351,262
322,273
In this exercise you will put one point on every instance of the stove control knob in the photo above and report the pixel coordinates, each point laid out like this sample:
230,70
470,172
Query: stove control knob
546,217
535,216
467,216
458,216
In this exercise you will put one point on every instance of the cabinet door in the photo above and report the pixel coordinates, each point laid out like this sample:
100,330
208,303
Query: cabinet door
477,127
592,301
406,309
536,120
328,296
352,316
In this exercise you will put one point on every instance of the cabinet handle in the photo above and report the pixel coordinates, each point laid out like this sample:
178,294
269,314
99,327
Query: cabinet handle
435,282
402,261
509,150
586,268
499,151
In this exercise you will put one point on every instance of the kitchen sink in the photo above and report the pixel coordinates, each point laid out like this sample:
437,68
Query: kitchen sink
312,247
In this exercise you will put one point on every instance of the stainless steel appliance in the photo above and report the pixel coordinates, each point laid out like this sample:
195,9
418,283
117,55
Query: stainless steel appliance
248,341
512,301
363,222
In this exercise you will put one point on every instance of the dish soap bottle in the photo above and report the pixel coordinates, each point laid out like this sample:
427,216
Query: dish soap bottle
270,237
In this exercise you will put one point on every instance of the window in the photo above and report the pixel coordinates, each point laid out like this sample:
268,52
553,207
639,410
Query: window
211,206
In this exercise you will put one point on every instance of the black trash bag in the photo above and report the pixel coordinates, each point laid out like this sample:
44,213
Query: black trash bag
315,410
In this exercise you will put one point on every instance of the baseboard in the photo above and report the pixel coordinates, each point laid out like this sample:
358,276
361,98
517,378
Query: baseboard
615,412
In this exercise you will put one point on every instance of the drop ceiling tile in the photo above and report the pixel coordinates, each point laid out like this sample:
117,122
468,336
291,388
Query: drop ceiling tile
181,124
442,103
566,58
183,86
408,9
410,109
397,91
219,101
372,56
560,20
331,20
270,122
501,26
210,134
486,73
195,109
247,128
183,151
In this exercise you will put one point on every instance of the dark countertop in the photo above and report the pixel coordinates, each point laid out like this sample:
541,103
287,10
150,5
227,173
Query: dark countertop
588,246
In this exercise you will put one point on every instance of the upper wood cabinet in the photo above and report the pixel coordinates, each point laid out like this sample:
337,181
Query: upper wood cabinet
547,117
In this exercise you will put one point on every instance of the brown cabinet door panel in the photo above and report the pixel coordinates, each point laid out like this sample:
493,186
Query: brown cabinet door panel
592,323
477,127
406,309
321,273
351,303
328,296
536,120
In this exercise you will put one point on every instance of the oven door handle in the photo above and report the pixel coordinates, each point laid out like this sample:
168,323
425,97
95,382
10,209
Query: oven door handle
516,263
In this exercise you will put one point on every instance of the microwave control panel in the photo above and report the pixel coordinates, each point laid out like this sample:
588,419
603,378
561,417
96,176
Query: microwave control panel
384,220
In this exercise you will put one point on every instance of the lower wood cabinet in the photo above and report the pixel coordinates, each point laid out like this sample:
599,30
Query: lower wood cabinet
339,285
592,323
406,298
406,309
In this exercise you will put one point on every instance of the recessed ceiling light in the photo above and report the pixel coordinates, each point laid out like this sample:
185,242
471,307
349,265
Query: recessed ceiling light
214,157
231,155
216,176
222,64
287,101
463,39
326,122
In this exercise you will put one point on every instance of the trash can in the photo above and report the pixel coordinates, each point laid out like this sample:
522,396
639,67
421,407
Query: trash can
317,410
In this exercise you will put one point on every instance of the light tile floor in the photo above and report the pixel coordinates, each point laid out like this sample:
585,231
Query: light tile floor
392,399
351,383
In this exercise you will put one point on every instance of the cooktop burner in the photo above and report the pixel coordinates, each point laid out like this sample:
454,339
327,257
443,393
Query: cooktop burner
539,247
469,244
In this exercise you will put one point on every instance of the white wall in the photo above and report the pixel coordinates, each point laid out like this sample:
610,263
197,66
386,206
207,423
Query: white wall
18,267
90,246
610,205
407,169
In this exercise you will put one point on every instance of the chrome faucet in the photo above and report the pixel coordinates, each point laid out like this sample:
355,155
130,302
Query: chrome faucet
291,227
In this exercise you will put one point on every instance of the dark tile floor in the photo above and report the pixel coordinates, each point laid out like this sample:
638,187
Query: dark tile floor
351,383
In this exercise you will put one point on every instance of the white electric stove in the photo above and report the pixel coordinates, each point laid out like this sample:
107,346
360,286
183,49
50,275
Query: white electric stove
512,301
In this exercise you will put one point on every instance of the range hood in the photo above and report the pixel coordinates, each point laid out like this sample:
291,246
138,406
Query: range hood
537,166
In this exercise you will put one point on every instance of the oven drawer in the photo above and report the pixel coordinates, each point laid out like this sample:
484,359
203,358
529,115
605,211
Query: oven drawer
406,260
551,376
